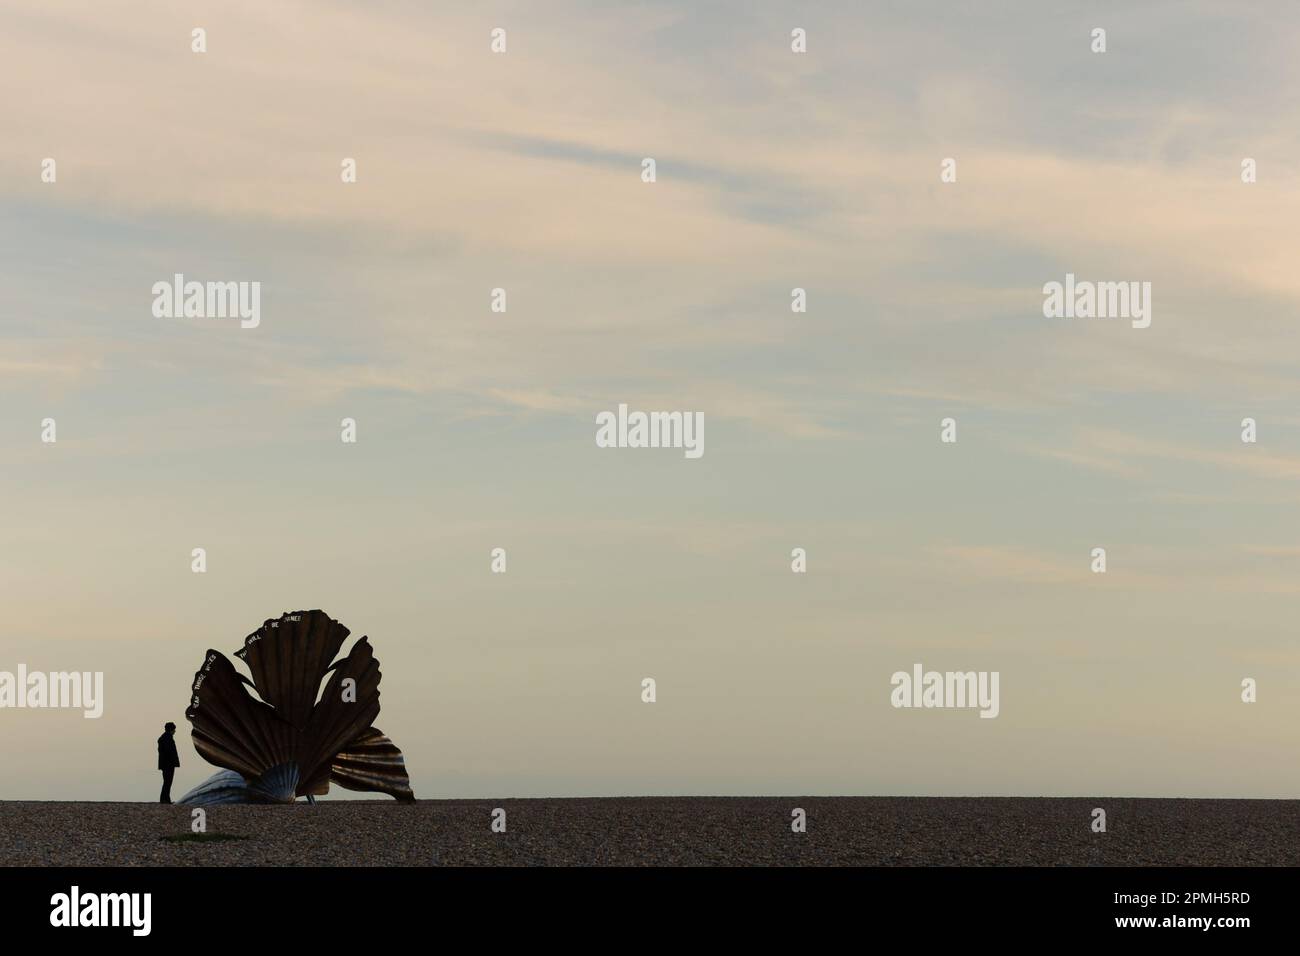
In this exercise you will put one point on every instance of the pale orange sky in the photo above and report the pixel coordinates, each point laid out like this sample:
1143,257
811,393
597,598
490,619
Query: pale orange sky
775,171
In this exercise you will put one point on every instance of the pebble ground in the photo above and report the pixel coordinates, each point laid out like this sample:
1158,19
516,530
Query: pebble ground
664,831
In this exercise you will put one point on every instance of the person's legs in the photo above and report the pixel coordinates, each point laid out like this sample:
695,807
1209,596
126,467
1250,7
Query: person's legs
166,795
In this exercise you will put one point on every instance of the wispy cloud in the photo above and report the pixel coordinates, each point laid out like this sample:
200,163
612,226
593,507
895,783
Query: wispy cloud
1131,455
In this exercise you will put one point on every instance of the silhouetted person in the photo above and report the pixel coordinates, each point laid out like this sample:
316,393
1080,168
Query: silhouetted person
168,760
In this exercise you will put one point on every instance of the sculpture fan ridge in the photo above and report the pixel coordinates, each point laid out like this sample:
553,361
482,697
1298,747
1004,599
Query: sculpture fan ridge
293,738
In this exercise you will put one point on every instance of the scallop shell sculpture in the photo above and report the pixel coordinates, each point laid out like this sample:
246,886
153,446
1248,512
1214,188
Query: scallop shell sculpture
291,739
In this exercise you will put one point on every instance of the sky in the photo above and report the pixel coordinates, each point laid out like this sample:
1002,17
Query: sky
475,429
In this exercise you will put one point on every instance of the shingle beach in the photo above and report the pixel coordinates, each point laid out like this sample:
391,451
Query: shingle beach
660,831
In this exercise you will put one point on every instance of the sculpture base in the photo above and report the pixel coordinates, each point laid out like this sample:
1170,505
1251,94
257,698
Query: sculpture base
277,785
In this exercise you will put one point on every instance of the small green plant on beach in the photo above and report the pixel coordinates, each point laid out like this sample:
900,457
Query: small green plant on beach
202,838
